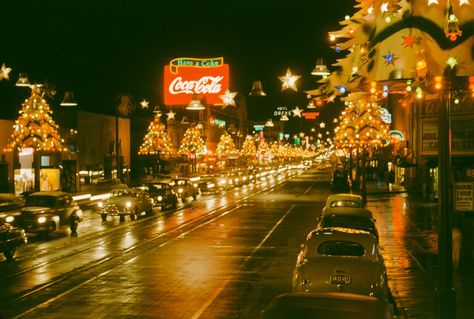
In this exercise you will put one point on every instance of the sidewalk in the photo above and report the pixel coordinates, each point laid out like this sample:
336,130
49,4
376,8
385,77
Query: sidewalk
408,236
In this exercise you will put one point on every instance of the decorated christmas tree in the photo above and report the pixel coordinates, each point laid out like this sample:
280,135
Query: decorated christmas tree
263,150
226,147
192,142
35,128
156,141
248,148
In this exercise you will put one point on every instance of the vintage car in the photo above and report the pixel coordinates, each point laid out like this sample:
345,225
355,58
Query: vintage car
344,217
208,184
10,238
185,188
125,202
46,212
341,260
334,305
344,200
161,194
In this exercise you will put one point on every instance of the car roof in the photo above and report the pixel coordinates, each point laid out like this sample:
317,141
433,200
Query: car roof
50,193
316,303
343,196
356,211
318,236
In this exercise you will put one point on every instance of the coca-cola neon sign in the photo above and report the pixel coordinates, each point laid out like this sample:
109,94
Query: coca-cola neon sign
184,77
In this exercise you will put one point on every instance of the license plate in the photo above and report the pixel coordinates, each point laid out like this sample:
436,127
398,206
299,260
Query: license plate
340,279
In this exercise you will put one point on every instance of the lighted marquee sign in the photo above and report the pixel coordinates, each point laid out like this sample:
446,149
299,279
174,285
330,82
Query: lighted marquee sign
184,77
310,115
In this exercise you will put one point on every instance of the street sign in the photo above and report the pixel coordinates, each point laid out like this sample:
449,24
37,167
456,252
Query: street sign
464,196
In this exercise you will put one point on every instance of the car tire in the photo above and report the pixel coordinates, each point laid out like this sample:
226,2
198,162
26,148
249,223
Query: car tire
9,252
104,217
133,216
122,218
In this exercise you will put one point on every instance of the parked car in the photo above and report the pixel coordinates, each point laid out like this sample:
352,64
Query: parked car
10,238
347,217
344,200
10,202
334,305
184,188
125,202
46,212
161,194
341,260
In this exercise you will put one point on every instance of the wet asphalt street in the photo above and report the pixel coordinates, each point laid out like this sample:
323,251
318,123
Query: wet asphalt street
222,256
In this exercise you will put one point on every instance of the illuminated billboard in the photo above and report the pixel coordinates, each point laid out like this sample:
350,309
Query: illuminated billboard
207,77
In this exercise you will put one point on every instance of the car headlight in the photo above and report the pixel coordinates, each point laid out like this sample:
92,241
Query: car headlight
9,219
128,204
100,204
160,198
180,190
41,220
210,185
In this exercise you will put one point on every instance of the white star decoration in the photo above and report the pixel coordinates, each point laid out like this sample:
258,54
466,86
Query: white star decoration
452,62
144,104
297,112
228,98
384,7
289,81
430,2
170,115
461,2
4,72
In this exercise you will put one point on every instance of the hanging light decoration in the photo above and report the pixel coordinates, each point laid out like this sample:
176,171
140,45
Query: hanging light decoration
257,89
195,104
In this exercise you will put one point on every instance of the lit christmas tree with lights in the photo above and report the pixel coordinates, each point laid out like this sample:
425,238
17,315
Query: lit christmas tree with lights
156,141
192,142
226,147
35,128
263,150
248,147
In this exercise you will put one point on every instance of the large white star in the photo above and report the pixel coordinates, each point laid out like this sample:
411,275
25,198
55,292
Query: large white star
297,111
4,71
170,115
144,104
452,62
461,2
430,2
384,7
228,98
289,81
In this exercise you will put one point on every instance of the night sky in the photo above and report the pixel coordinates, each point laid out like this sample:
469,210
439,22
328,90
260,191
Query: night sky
101,49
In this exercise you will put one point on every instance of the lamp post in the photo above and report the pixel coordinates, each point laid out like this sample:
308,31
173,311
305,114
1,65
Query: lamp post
445,295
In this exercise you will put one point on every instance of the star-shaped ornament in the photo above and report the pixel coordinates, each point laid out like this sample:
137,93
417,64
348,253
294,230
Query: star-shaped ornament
410,40
289,81
297,112
144,104
430,2
4,72
452,62
228,98
384,7
461,2
170,115
390,58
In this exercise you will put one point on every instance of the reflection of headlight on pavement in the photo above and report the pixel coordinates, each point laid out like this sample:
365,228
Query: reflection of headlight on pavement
180,190
41,220
160,198
100,204
9,219
128,204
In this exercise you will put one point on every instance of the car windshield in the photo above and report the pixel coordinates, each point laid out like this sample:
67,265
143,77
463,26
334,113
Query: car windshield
348,221
345,203
122,192
341,248
180,182
154,187
40,200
